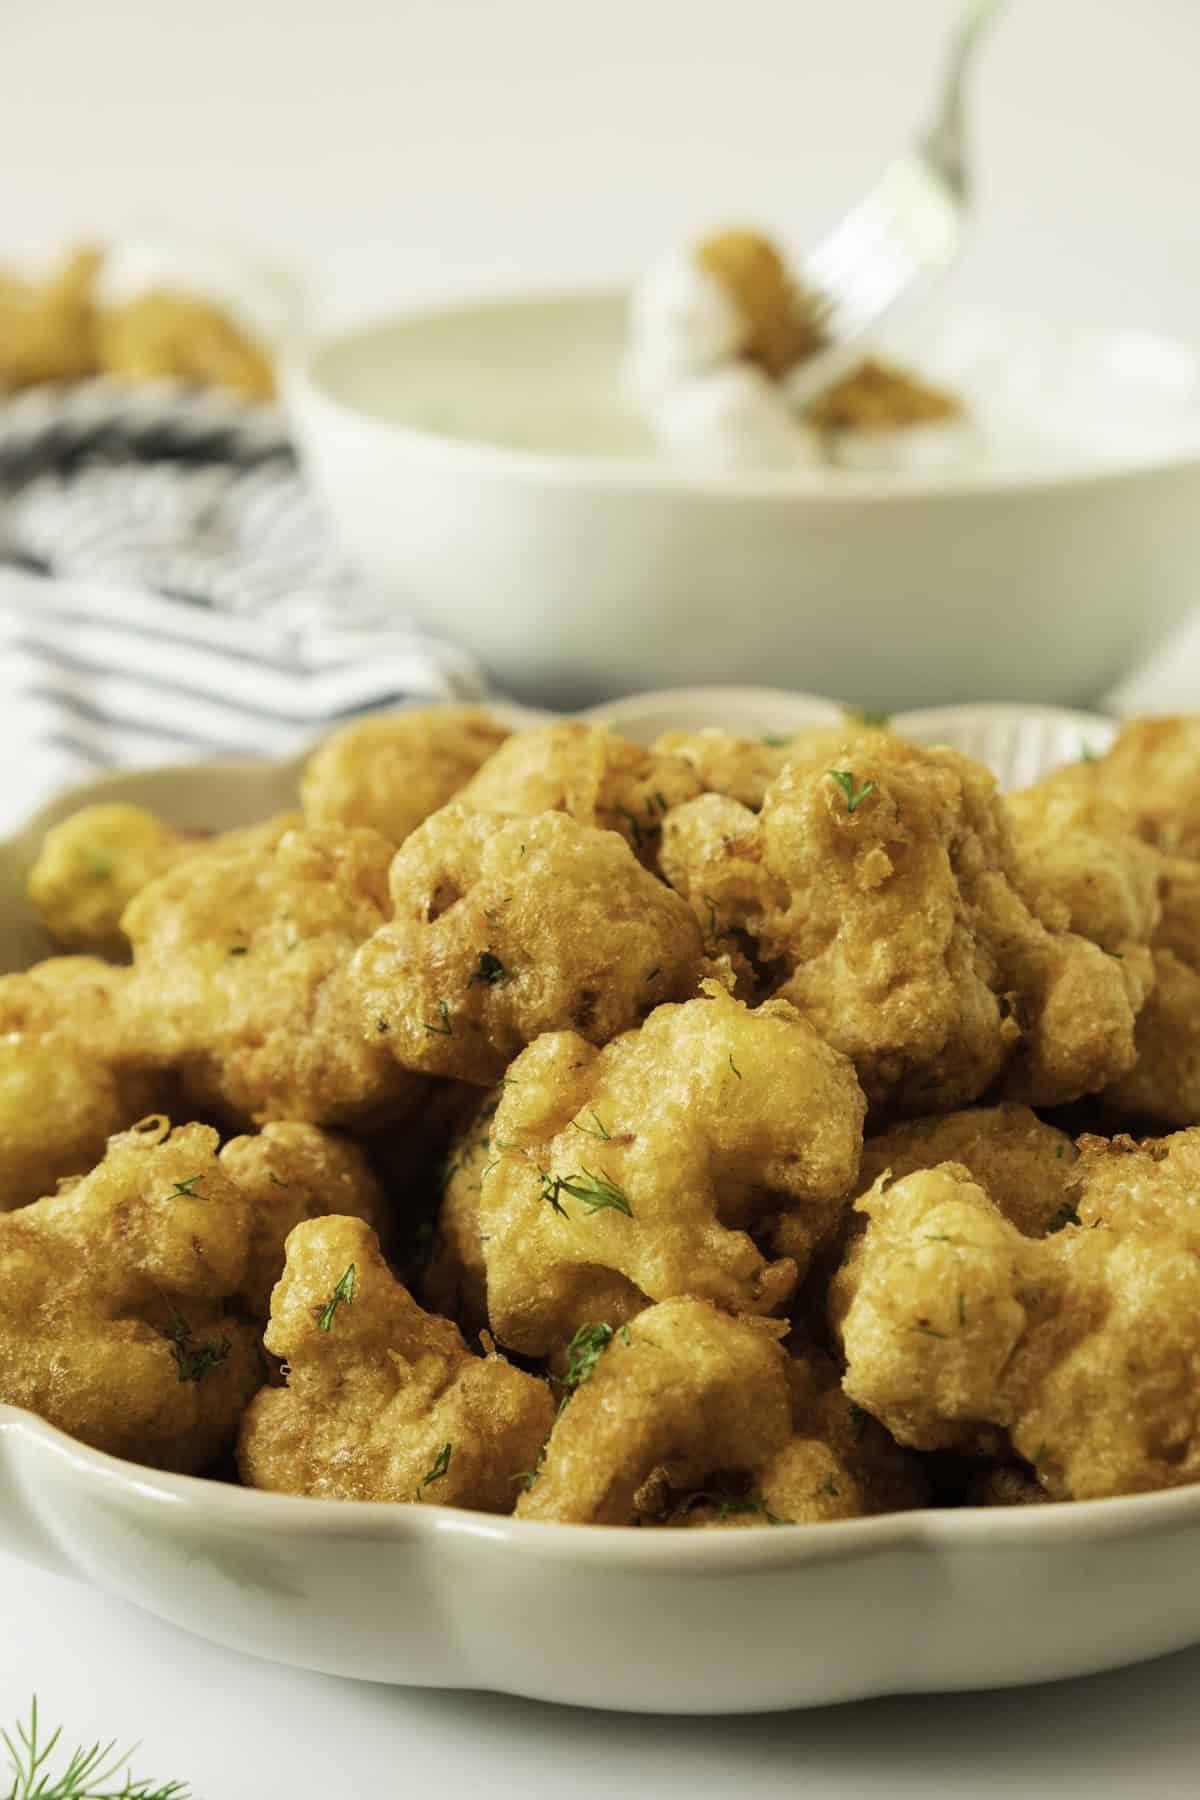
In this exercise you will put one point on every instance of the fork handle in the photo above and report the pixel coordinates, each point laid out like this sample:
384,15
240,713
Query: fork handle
943,142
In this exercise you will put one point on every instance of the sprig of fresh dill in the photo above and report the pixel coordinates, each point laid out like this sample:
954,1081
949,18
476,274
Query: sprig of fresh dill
93,1772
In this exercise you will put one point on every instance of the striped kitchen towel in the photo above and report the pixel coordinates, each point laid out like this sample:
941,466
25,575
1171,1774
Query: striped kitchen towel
168,591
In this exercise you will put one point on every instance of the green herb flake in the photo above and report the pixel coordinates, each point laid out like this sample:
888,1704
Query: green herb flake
597,1190
830,1487
445,1029
1086,753
654,973
775,740
527,1477
583,1353
342,1293
439,1468
596,1129
962,1309
188,1186
734,1066
928,1331
712,914
99,864
854,796
193,1361
240,950
625,1337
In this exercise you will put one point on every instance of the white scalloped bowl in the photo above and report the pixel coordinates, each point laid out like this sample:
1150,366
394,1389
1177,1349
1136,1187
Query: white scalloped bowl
705,1622
480,461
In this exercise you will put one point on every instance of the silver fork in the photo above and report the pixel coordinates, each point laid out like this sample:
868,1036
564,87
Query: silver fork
908,230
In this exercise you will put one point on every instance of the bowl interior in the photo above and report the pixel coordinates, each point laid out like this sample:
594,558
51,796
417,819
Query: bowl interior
543,374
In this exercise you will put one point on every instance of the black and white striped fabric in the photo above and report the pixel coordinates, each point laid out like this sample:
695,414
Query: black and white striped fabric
168,591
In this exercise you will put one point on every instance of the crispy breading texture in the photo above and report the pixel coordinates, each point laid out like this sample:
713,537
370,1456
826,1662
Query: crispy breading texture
880,889
391,771
68,1078
683,1389
383,1401
740,768
1153,772
241,976
506,928
289,1173
1021,1163
637,1172
1081,1350
112,1292
599,778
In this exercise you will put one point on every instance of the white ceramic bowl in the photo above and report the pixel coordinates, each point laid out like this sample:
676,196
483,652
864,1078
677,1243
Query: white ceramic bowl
481,462
701,1622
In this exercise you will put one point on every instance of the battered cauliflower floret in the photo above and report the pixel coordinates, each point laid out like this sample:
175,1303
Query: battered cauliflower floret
455,1281
1164,1082
390,772
383,1401
242,976
1153,772
160,333
1005,1484
505,928
47,329
1081,1350
92,864
1021,1163
740,768
113,1323
68,1080
637,1172
599,778
837,1464
89,868
680,1393
290,1173
1081,849
881,893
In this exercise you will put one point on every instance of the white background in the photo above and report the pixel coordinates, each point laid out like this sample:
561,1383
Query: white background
424,146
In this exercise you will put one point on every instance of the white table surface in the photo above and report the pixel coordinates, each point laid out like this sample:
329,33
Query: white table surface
238,1729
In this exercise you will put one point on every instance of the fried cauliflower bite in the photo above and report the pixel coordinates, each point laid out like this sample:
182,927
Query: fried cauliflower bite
391,771
1153,772
47,329
1081,849
89,868
383,1401
160,334
600,779
1021,1163
740,768
505,928
681,1392
881,893
112,1302
1164,1082
637,1172
242,977
289,1173
1081,1350
68,1074
781,325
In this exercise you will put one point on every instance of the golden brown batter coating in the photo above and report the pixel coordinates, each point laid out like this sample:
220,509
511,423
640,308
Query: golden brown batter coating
47,329
113,1322
636,1172
1153,772
289,1173
599,778
1081,1349
505,928
740,768
383,1401
455,1282
781,325
242,976
160,334
1021,1163
392,770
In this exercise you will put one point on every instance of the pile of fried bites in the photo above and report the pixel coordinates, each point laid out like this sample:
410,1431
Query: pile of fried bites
491,1130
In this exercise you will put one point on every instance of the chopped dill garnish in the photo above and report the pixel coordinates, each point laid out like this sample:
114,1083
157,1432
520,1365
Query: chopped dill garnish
273,1178
551,1188
597,1190
583,1353
527,1477
343,1292
1086,753
193,1361
638,831
439,1467
655,972
829,1486
100,864
596,1130
187,1186
859,1417
962,1309
928,1331
775,740
625,1337
445,1029
854,796
734,1066
712,914
239,950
